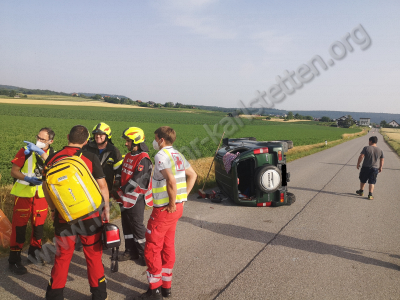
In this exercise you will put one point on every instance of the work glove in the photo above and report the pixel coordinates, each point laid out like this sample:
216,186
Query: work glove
32,147
33,180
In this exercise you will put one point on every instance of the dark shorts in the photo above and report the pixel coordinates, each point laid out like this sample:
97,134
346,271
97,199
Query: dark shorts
369,174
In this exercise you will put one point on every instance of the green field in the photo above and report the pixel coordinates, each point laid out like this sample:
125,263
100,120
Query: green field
22,122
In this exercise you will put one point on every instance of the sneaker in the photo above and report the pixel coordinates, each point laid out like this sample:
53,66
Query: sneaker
166,292
360,192
370,197
127,256
17,268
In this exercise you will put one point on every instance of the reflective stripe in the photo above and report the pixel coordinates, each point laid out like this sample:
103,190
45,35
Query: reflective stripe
141,241
166,278
153,278
128,236
61,202
117,165
86,191
165,270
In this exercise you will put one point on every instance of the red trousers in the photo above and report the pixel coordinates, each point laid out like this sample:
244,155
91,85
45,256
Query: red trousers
160,246
34,208
65,250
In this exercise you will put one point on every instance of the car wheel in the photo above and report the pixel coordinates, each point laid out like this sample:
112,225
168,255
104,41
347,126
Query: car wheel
268,178
291,198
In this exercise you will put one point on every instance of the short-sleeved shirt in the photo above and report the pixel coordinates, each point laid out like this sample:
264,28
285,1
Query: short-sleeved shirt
372,155
19,158
162,162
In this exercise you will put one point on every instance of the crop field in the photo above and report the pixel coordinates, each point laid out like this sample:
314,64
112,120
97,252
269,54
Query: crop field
194,138
392,137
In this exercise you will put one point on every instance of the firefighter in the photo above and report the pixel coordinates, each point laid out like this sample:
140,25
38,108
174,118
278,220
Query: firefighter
27,167
109,155
134,193
172,181
89,229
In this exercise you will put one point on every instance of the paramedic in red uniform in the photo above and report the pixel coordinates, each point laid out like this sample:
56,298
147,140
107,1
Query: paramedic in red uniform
27,168
134,193
172,181
89,229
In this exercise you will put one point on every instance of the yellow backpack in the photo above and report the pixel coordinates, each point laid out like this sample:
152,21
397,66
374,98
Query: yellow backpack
73,189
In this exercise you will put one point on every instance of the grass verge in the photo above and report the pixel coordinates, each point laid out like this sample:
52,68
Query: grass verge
392,138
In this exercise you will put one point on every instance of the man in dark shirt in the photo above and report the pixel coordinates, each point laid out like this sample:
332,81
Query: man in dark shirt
372,165
88,230
109,155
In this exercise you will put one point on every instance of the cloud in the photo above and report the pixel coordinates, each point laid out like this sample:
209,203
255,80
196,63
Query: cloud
199,16
272,42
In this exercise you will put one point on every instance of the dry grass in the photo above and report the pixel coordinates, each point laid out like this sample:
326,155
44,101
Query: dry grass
201,166
392,137
68,103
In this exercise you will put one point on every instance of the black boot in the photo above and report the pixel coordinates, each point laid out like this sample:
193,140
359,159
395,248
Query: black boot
127,255
166,292
15,265
151,295
34,256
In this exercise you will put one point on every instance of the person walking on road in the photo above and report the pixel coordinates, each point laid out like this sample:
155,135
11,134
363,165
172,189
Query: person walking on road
372,165
89,229
133,192
172,181
27,167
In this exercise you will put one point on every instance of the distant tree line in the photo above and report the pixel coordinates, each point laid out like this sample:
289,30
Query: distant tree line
11,93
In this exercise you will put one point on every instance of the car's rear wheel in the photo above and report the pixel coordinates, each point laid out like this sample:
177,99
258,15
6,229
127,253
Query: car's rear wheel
268,178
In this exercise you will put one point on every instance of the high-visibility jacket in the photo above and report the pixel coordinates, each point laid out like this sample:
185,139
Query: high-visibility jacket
160,194
32,168
130,190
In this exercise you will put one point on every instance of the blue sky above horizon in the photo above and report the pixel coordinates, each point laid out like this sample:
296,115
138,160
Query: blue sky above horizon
204,52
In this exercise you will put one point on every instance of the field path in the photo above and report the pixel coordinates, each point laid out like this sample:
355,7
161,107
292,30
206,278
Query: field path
330,244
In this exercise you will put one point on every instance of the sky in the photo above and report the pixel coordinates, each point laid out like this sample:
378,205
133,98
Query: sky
209,52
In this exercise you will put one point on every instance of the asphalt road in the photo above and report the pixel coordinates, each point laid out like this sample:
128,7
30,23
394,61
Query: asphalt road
330,244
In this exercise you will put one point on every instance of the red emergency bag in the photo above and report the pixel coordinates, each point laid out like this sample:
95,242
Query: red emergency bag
112,240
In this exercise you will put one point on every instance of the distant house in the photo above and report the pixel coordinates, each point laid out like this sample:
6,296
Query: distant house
75,95
343,121
365,121
393,124
139,101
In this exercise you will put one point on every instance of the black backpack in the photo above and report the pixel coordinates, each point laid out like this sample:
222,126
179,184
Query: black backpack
111,240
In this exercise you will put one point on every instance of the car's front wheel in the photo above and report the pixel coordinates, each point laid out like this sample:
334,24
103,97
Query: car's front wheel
268,178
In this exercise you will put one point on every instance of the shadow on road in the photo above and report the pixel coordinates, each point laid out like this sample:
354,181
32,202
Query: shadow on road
347,165
16,285
352,195
287,241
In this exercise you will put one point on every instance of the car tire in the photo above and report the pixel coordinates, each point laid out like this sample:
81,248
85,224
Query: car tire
263,176
291,198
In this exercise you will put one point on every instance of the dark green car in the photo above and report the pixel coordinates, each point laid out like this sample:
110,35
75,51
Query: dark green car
254,173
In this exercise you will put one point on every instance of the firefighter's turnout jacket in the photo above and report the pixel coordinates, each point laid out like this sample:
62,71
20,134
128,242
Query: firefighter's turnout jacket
110,159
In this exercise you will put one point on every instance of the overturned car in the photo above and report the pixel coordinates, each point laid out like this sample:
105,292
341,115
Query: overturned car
253,173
